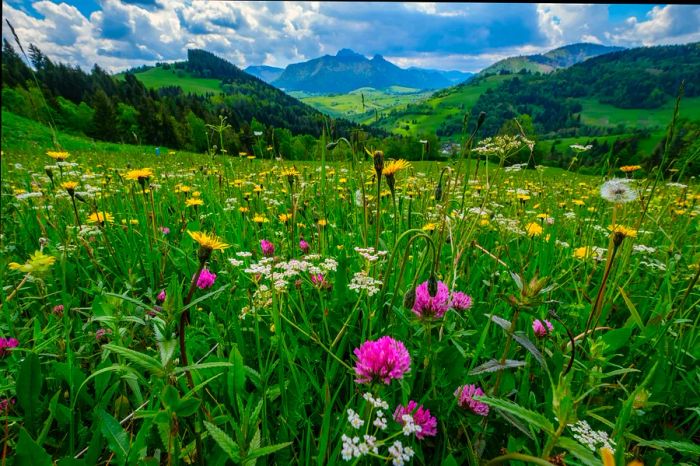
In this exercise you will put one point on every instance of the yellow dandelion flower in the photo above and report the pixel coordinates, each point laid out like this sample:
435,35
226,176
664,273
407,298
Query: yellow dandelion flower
59,156
183,189
542,216
322,222
578,202
258,188
139,175
429,227
257,218
533,229
343,180
290,171
391,168
194,201
196,194
37,263
207,240
583,252
284,218
621,229
523,197
100,217
243,209
69,185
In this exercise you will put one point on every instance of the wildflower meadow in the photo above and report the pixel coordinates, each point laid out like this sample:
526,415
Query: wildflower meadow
193,309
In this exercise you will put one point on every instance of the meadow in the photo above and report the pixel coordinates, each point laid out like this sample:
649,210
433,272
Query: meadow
190,308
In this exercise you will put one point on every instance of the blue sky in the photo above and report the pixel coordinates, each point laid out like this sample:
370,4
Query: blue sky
118,34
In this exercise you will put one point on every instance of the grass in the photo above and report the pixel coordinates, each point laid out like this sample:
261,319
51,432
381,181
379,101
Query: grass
124,356
158,77
604,115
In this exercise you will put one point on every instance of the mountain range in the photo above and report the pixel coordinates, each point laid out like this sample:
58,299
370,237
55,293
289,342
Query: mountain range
562,57
349,70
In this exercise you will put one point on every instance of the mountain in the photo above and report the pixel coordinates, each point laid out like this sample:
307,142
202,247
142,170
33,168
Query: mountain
266,73
562,57
619,91
348,70
454,76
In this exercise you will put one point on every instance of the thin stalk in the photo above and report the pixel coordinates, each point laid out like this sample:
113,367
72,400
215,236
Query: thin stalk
184,320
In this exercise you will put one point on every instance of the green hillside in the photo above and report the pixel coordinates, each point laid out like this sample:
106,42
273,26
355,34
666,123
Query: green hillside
158,77
350,105
445,106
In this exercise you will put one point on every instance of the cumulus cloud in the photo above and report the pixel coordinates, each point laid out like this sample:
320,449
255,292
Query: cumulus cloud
124,33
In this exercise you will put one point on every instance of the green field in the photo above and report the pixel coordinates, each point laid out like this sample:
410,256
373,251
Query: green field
158,77
349,105
596,114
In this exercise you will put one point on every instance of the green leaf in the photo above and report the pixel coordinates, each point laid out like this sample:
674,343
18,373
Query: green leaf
238,370
525,414
528,345
116,436
585,455
29,453
494,365
257,453
187,407
224,441
616,339
633,310
683,447
143,360
29,383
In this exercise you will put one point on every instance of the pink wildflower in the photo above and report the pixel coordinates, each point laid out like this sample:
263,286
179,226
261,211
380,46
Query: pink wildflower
460,301
431,306
5,403
268,249
100,334
165,230
542,328
58,310
465,394
6,344
206,279
384,359
161,296
304,246
421,417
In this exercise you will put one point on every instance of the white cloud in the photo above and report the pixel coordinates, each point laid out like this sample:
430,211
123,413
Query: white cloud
671,24
438,35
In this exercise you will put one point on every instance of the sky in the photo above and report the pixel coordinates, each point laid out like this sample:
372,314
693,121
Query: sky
120,34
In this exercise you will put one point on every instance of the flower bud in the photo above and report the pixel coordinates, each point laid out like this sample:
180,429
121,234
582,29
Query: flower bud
432,285
409,299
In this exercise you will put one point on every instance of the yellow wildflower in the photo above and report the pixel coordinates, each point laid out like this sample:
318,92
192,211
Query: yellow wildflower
37,263
60,156
391,168
140,175
207,240
100,217
194,201
630,168
533,229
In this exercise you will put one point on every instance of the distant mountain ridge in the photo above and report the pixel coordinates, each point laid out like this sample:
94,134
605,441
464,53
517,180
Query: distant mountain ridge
349,70
562,57
264,72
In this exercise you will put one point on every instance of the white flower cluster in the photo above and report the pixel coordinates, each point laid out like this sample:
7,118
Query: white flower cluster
593,439
354,419
515,168
370,254
409,427
677,185
353,448
376,402
501,145
400,454
643,249
580,148
362,282
380,422
29,195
